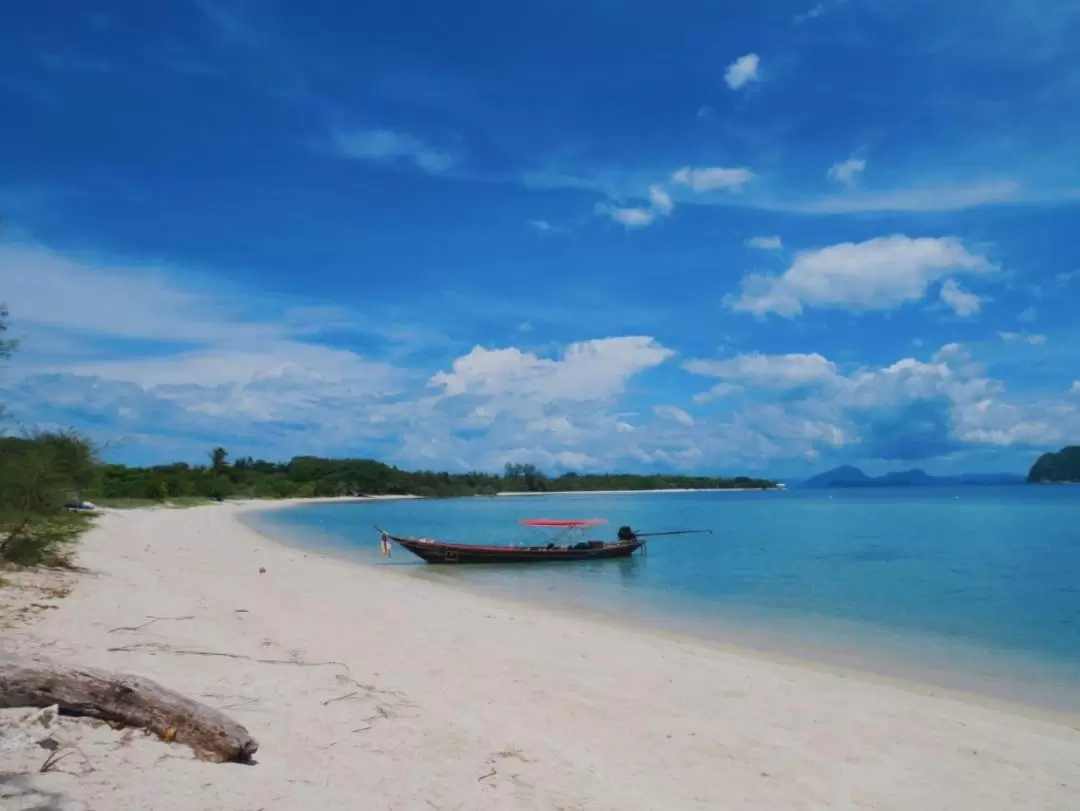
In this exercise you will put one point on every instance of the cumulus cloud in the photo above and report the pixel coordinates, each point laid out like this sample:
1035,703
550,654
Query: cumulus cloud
711,178
908,410
540,225
389,147
878,274
589,370
847,171
742,71
765,243
959,300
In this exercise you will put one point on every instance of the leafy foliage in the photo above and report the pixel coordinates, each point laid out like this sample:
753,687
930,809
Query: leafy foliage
38,476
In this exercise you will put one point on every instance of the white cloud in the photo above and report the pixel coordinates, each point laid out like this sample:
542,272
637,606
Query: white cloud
959,300
765,243
907,410
47,289
631,217
1075,388
574,460
673,413
712,178
848,171
878,274
388,146
589,370
660,200
558,426
244,370
186,350
742,71
774,372
540,225
1028,315
1023,337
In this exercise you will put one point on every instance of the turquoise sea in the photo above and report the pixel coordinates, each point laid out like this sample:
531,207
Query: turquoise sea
972,588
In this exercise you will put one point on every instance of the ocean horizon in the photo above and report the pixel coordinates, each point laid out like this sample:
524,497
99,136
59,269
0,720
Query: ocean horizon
972,588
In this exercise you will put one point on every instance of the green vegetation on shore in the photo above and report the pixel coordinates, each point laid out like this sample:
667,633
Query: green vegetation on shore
310,476
1063,466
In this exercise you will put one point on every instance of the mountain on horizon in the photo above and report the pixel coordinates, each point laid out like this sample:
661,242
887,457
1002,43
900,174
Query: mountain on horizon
850,476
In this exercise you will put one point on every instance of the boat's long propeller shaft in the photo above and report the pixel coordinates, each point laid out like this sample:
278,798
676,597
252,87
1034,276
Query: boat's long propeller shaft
674,532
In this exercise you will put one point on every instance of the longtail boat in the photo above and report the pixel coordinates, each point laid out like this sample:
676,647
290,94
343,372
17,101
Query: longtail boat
627,542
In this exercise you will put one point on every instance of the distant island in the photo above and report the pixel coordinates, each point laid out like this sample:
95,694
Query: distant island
849,476
1063,466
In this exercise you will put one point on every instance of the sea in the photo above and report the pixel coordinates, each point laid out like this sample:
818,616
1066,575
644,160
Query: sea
973,588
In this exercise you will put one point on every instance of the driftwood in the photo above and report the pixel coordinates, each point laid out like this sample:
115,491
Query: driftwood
126,699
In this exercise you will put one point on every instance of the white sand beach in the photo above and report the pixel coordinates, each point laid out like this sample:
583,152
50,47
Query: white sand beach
371,689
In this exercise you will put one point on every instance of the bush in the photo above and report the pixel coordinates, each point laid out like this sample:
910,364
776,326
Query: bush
36,540
38,476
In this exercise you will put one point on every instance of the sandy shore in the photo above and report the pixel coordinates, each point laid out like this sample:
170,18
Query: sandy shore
447,700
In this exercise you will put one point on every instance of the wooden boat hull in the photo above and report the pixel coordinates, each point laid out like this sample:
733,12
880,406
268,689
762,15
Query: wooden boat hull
438,552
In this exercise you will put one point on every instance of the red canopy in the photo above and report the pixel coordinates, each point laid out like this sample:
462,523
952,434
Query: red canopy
554,522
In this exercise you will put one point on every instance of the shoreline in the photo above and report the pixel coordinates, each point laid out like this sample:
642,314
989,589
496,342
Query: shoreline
350,676
755,642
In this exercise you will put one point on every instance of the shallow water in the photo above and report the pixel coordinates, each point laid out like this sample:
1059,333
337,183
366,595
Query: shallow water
973,588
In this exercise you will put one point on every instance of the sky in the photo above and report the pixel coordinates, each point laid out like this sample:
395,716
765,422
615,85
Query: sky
707,237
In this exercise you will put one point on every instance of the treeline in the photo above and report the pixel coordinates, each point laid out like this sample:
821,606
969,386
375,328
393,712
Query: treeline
310,476
530,479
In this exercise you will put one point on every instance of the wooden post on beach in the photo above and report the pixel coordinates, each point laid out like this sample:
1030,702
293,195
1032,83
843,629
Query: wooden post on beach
130,700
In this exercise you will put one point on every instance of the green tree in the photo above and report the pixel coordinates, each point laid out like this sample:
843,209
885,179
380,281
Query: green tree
218,460
7,345
38,476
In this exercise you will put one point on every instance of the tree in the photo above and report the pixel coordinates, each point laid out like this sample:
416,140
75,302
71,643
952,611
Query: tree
218,460
38,476
7,346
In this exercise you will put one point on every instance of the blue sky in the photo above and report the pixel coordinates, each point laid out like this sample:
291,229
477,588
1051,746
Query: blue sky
592,235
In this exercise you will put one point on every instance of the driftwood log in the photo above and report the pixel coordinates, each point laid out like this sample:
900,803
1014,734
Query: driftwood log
126,699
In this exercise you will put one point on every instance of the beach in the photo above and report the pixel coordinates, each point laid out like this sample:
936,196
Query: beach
368,688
